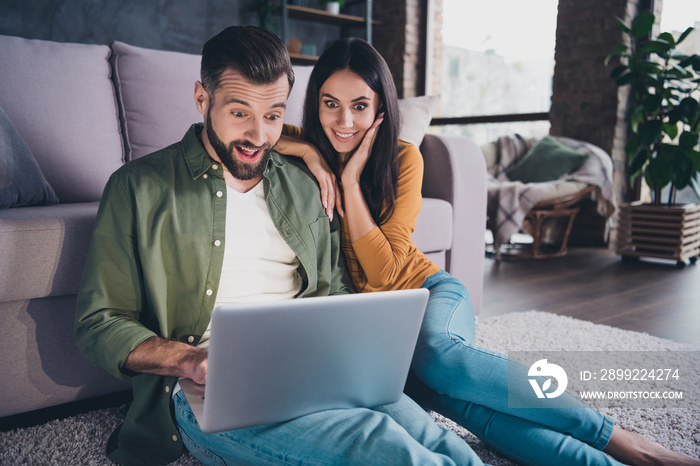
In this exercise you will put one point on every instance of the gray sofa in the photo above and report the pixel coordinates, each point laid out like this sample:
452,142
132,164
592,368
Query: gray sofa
84,110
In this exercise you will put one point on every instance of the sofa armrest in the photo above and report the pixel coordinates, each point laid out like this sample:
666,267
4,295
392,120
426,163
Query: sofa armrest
456,172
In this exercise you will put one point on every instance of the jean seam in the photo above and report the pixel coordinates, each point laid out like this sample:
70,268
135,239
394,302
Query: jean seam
449,322
605,434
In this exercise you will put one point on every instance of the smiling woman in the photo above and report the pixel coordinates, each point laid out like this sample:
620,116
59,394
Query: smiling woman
347,110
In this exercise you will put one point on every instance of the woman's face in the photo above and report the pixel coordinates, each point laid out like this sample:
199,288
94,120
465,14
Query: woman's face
347,109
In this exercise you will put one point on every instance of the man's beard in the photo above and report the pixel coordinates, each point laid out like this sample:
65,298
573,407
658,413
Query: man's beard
240,170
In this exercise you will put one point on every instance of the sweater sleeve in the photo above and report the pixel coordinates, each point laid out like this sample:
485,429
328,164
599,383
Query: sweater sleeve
383,252
292,131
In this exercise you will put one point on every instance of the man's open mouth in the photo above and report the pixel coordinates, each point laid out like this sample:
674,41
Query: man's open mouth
248,155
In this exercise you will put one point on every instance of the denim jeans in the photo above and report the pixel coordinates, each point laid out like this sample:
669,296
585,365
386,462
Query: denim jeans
400,433
468,384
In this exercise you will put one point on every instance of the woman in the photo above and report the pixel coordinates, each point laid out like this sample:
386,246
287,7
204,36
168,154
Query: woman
351,115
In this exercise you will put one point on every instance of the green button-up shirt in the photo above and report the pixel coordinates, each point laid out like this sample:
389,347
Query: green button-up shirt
154,266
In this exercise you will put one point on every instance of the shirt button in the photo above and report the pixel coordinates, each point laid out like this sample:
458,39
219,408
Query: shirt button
217,243
210,292
219,194
174,438
215,167
167,389
190,338
205,176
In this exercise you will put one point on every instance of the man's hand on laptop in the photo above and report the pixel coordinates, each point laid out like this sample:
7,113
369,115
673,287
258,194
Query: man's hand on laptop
170,358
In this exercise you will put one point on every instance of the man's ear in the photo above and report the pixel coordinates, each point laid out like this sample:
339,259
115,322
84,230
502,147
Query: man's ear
201,98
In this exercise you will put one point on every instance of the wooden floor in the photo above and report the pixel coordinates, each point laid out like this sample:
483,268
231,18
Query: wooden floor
594,284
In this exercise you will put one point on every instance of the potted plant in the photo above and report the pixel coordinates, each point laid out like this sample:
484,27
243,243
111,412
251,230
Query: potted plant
662,144
333,7
664,116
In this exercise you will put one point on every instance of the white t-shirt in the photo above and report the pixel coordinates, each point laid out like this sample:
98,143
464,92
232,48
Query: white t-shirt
258,264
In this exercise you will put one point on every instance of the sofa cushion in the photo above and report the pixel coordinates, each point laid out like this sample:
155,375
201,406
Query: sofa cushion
157,105
416,113
546,161
61,99
61,233
156,96
21,180
294,112
434,226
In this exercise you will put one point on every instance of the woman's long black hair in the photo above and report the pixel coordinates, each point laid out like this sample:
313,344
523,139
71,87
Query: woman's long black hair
379,179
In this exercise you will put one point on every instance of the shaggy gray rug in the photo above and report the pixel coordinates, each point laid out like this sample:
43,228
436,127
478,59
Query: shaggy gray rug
81,440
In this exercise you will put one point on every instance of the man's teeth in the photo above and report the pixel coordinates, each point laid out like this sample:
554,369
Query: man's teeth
247,151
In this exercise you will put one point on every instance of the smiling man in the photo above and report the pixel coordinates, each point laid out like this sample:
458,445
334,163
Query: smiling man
221,218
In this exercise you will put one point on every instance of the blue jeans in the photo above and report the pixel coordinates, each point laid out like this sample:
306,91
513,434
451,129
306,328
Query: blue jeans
468,384
400,433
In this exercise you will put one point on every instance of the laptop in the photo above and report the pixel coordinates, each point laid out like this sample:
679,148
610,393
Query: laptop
275,361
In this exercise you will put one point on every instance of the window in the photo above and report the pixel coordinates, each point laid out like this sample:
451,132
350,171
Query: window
497,59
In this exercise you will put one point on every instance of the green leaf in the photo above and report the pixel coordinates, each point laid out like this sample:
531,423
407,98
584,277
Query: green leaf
638,161
636,118
652,103
671,130
668,37
689,108
624,79
675,115
688,140
696,63
678,72
694,157
684,35
682,172
658,173
617,71
648,67
621,24
650,132
632,148
659,47
686,61
642,24
618,51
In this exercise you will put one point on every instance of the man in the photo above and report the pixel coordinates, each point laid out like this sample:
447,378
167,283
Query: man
220,218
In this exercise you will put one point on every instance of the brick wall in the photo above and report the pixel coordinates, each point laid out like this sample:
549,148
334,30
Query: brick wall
586,103
401,41
436,64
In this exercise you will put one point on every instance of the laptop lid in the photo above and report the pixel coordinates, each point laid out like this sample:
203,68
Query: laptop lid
275,361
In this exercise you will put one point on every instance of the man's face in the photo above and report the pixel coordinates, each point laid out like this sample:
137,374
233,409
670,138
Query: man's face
243,122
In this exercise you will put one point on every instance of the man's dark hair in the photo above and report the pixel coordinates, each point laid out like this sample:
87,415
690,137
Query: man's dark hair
259,55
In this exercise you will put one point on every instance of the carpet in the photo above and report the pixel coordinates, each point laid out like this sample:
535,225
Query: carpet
81,440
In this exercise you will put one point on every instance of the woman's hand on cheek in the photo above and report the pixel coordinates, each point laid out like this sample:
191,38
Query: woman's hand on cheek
353,169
